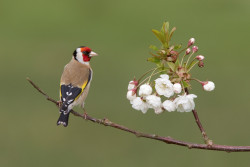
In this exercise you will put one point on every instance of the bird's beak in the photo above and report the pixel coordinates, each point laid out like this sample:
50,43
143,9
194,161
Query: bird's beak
93,54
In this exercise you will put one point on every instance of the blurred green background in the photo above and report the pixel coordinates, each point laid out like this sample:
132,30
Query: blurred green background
38,38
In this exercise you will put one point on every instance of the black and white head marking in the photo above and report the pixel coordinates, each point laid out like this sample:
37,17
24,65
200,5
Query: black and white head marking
78,55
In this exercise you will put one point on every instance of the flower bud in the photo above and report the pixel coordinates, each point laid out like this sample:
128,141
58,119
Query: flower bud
200,57
172,52
188,51
191,41
208,85
201,64
195,49
132,84
177,88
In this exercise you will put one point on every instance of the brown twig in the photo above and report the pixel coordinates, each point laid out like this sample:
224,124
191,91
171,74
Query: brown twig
198,122
167,140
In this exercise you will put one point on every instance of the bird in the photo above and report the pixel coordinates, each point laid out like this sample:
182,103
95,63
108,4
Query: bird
75,82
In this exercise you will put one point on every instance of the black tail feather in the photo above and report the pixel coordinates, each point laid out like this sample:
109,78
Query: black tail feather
63,119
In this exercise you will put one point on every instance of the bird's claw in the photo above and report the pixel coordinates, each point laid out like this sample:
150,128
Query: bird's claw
85,115
59,103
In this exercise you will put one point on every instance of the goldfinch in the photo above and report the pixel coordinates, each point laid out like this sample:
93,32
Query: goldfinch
75,82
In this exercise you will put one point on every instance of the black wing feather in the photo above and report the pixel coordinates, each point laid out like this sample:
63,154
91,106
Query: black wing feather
68,96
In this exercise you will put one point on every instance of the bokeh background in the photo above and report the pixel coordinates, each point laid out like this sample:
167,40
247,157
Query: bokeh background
37,39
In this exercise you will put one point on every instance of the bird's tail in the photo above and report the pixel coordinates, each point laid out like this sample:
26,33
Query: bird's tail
63,119
64,116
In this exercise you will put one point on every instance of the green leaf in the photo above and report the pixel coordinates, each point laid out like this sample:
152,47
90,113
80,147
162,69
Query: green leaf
154,55
167,31
177,63
185,84
159,35
154,60
172,32
165,45
172,66
176,47
153,47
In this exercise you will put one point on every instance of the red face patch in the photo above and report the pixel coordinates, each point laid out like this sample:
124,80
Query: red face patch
85,54
86,58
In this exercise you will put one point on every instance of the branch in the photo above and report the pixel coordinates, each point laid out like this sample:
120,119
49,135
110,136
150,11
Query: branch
167,140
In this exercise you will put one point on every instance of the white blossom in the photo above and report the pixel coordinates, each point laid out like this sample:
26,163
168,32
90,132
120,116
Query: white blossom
208,86
164,76
164,86
145,90
158,110
177,88
131,85
131,95
169,105
139,104
153,101
185,103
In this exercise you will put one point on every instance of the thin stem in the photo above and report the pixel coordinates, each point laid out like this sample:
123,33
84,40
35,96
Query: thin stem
195,79
198,122
151,75
146,73
183,55
147,78
192,65
189,58
167,140
182,58
182,86
184,49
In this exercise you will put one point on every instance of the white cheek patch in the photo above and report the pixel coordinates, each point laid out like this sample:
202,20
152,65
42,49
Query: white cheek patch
79,57
78,50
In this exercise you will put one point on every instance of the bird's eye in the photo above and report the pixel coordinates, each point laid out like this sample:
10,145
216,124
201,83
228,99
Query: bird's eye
85,52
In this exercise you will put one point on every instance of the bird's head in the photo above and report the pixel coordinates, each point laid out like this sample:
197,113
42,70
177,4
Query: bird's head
83,54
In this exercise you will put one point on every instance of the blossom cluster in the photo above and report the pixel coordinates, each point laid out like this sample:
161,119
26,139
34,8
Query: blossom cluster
164,89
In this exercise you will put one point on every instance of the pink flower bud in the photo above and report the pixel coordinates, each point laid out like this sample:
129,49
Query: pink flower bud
195,49
200,57
172,52
191,41
201,64
188,51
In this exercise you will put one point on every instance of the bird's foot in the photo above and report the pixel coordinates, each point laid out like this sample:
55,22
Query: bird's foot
85,115
59,103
